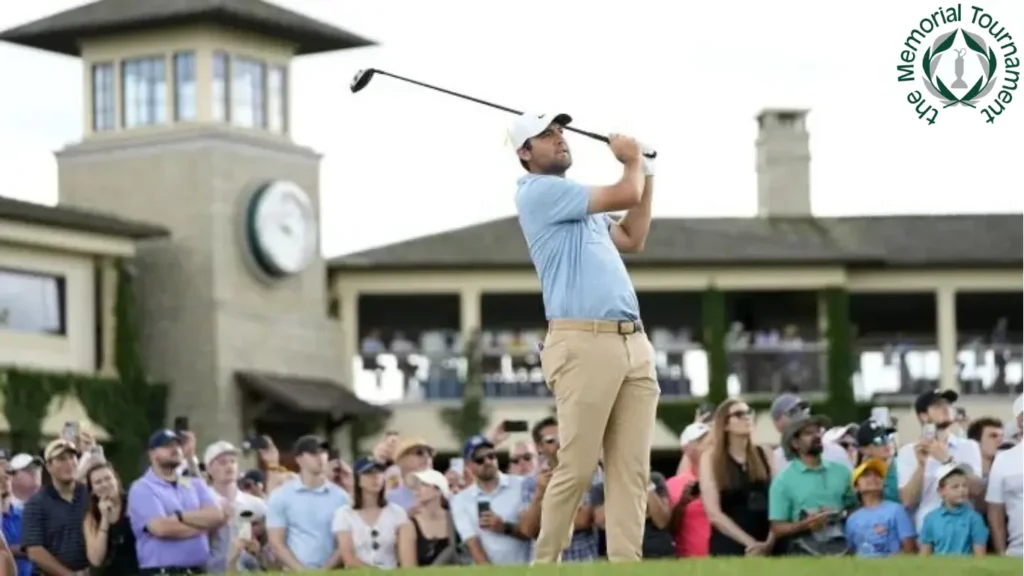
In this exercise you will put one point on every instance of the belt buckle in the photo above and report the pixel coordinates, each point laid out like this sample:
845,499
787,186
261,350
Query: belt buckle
626,327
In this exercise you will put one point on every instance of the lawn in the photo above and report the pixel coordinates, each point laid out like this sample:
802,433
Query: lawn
903,566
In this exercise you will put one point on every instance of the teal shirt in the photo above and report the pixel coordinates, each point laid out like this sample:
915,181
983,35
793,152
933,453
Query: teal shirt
891,487
954,531
799,488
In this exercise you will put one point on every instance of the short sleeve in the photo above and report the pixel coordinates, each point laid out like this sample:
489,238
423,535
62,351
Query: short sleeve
597,494
906,465
33,525
972,456
996,477
277,510
927,535
528,490
144,507
979,531
399,514
342,521
904,525
779,460
549,200
780,509
464,517
205,494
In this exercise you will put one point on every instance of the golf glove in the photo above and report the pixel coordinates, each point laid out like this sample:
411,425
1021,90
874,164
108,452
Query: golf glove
648,162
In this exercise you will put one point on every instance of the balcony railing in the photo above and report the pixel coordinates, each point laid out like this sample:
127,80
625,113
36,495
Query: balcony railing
683,372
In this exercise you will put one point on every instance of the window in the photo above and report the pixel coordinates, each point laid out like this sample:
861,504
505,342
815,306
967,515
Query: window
31,302
220,87
277,99
184,86
144,92
103,118
248,91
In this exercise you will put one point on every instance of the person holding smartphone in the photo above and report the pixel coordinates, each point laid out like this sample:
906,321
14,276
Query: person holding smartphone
917,464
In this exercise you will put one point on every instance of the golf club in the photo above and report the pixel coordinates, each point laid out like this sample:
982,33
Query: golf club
363,77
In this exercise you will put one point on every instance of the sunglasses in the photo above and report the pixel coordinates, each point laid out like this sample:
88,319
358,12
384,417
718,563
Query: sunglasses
748,413
521,458
418,452
481,459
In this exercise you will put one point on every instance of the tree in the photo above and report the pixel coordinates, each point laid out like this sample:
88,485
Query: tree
470,418
713,315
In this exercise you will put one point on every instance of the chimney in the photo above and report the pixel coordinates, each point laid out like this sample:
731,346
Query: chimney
783,164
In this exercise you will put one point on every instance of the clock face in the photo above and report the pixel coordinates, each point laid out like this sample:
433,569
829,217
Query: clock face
281,229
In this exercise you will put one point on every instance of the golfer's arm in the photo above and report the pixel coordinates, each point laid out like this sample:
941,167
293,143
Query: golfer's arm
623,195
997,526
630,234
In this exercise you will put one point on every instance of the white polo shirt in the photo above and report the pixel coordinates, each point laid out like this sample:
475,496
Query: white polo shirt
1006,487
962,450
830,452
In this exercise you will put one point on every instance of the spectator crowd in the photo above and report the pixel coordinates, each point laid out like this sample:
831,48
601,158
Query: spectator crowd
824,490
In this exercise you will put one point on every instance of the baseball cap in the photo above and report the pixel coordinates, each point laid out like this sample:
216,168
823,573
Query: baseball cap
23,461
947,469
872,433
786,405
475,443
256,476
58,447
366,465
218,449
1018,406
528,124
406,445
926,399
871,464
836,433
164,437
693,432
256,443
310,445
435,479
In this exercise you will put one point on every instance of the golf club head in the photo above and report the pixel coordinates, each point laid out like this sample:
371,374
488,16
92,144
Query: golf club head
361,79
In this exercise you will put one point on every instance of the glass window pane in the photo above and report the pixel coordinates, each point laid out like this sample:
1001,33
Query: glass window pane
103,97
184,86
248,91
144,92
277,106
220,87
31,302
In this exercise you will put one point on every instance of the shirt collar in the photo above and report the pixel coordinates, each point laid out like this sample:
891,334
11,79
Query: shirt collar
503,482
957,510
801,467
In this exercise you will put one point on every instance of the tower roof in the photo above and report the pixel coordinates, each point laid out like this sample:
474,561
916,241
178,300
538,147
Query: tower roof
61,32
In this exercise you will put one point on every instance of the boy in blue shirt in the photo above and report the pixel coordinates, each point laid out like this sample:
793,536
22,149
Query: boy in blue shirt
879,527
953,529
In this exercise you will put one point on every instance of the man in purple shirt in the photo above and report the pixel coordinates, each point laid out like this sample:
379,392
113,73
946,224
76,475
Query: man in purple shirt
172,515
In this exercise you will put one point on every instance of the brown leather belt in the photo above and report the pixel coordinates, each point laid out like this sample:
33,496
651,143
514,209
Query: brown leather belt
598,326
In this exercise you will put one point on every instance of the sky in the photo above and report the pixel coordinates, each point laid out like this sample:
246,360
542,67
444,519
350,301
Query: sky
687,78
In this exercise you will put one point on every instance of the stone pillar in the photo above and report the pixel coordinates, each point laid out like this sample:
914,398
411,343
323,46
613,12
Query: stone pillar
107,315
469,310
945,313
348,313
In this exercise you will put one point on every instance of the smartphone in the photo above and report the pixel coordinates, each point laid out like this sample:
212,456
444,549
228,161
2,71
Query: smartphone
181,423
695,490
928,431
458,465
97,451
482,507
881,415
516,426
245,530
70,431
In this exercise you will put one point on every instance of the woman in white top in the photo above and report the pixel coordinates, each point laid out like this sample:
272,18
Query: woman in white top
373,533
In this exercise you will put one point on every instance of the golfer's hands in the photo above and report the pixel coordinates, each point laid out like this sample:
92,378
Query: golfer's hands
491,521
648,163
625,149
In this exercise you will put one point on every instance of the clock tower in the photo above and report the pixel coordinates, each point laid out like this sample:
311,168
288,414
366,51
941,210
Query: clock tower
186,109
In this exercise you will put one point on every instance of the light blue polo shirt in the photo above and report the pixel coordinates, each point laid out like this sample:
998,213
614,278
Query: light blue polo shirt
954,530
306,515
876,531
581,272
505,503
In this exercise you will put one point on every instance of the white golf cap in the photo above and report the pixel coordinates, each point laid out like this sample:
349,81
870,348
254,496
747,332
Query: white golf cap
218,449
947,469
835,434
22,461
1018,406
693,432
435,479
529,124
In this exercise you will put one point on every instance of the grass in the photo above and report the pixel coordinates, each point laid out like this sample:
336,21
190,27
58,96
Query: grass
845,566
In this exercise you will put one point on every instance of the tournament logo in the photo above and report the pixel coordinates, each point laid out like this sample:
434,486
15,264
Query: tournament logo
957,64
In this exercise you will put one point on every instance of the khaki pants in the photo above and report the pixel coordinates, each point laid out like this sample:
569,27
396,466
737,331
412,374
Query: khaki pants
606,395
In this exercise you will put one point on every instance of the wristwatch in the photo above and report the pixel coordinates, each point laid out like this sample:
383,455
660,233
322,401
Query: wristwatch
180,516
508,529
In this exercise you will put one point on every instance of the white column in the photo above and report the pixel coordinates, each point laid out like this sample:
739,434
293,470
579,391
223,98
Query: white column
469,310
945,313
348,312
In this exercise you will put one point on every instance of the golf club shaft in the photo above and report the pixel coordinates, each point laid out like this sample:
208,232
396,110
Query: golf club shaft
600,137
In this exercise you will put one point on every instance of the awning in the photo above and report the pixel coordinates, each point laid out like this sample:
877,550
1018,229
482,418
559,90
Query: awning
309,395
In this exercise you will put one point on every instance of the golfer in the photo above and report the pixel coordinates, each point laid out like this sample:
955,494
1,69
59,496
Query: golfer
596,359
